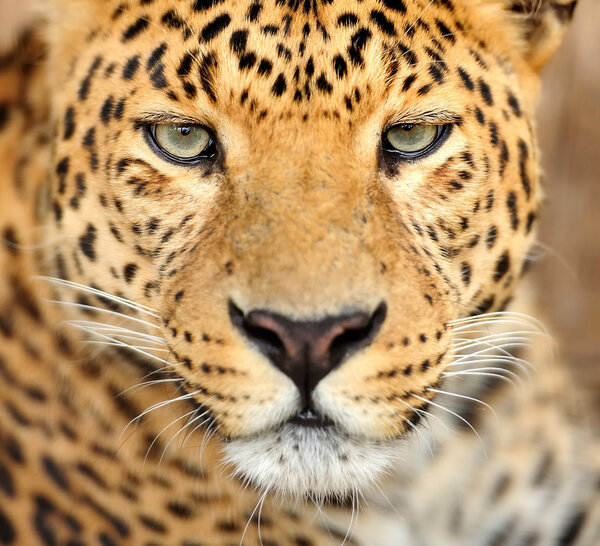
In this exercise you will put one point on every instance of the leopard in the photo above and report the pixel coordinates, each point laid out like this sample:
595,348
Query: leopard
261,278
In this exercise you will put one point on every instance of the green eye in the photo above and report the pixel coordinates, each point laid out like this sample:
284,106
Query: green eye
184,143
412,141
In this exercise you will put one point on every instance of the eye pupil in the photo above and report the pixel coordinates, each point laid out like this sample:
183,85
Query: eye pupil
407,127
185,131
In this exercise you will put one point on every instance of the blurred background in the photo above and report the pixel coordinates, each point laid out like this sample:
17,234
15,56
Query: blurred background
567,270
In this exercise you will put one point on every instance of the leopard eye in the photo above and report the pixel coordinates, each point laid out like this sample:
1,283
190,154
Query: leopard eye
183,143
412,141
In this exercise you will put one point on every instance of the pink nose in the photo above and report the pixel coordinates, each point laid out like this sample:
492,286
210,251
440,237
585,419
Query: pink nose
306,351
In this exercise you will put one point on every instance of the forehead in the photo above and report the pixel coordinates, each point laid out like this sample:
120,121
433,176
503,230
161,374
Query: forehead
295,56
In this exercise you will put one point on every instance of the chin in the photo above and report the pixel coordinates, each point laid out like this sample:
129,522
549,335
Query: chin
321,463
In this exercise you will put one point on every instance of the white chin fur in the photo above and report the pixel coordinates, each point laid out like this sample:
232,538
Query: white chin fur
310,462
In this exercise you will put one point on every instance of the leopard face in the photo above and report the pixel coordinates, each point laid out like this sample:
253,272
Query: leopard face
301,267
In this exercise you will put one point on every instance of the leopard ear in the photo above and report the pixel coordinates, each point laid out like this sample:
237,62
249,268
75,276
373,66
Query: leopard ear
540,26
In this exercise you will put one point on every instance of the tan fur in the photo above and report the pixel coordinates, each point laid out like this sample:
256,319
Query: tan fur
303,215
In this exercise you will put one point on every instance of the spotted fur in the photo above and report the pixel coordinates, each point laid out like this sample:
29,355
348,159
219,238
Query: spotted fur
120,266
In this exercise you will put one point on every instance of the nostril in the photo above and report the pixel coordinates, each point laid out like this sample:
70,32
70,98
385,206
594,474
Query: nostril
266,339
353,339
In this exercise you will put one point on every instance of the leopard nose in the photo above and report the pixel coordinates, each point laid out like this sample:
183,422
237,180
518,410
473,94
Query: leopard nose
306,351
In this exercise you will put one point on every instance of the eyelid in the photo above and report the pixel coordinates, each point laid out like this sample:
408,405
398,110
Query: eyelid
442,117
168,118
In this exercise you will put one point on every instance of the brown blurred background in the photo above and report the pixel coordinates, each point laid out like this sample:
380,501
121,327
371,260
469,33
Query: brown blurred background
568,258
568,272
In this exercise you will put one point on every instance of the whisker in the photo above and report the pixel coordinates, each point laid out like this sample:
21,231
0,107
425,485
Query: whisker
83,288
463,396
159,405
108,328
102,310
455,415
483,374
125,345
139,386
158,435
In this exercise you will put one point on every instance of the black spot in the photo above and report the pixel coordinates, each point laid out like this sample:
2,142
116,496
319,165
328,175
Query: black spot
502,266
446,33
106,110
340,66
131,67
106,540
136,28
279,86
347,20
247,61
572,528
254,11
180,510
87,241
62,168
486,92
215,27
408,82
172,20
55,473
270,30
479,115
396,5
523,157
514,104
185,66
4,115
264,68
129,272
156,56
465,272
384,24
238,41
202,5
484,306
206,69
357,44
84,88
179,295
424,90
511,203
407,54
323,85
466,79
436,73
158,77
491,236
531,217
10,240
6,482
153,524
283,52
69,123
493,134
7,531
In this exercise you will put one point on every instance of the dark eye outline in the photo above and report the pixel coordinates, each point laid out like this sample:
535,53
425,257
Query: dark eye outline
209,152
443,132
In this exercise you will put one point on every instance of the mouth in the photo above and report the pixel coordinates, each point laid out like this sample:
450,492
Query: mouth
309,457
308,417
